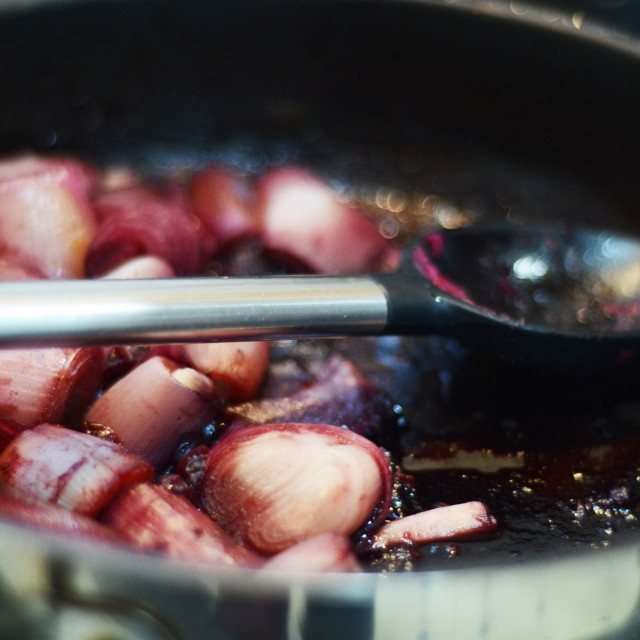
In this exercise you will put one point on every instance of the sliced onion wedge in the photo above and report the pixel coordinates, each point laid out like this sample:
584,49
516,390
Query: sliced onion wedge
45,214
304,218
48,385
444,523
152,407
156,520
240,366
71,469
273,486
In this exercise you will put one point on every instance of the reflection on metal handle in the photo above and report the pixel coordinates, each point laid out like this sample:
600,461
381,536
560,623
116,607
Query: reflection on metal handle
39,313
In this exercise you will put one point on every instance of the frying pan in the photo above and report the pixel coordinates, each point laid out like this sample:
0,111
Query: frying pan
510,110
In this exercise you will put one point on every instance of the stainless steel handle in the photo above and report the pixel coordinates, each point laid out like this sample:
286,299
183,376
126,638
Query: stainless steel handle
70,312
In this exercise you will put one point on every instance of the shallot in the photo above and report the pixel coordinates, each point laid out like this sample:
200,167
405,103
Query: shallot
225,204
156,520
155,405
73,470
341,395
304,219
23,509
141,221
239,366
46,218
48,385
443,523
324,552
272,486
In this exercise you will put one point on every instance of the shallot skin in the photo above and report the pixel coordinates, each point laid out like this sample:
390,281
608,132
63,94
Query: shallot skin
273,486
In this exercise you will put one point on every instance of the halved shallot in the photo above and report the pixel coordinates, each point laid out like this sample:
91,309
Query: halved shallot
240,366
48,385
272,486
443,523
304,218
152,407
46,218
141,221
73,470
155,519
324,552
342,395
224,203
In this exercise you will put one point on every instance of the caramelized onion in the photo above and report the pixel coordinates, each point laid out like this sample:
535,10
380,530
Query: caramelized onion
444,523
342,395
48,385
273,486
73,470
157,520
324,552
152,407
140,221
141,267
303,217
24,510
224,203
241,366
45,215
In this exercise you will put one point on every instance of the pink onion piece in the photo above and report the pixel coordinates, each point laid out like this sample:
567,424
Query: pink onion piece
156,520
45,215
155,405
71,469
326,552
9,429
342,395
12,268
48,385
304,218
140,221
241,366
444,523
273,486
48,517
141,267
225,204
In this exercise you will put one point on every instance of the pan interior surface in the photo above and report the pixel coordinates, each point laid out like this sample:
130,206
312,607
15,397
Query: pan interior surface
465,117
